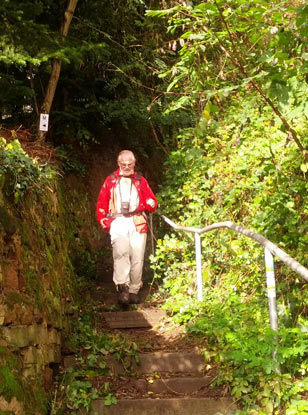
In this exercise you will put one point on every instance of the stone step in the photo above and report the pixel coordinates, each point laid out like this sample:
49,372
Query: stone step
179,386
157,362
172,406
133,319
162,362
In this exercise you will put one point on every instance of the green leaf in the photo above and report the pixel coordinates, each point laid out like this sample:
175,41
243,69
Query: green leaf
161,13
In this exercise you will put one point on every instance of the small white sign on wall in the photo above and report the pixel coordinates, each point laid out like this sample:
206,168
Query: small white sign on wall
44,118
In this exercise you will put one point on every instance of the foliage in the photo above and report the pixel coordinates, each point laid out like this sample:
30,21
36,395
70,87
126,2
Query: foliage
9,381
71,161
233,76
239,169
24,172
77,388
223,174
13,385
108,73
238,67
227,48
45,239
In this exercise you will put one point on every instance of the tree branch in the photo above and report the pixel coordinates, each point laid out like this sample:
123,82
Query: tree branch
156,137
239,64
291,132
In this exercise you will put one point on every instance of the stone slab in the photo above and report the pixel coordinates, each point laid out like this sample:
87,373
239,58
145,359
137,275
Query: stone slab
23,336
162,362
173,387
133,319
125,320
177,362
157,362
178,406
181,385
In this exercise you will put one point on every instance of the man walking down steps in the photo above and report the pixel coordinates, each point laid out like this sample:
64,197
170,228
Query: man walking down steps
122,202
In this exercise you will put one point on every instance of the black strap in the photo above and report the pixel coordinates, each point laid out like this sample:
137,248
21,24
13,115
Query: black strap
138,177
126,215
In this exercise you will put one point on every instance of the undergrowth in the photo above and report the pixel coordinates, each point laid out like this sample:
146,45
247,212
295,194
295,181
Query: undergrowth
217,175
90,376
22,172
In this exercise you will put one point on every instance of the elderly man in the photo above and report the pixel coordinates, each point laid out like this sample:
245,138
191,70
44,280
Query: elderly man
122,202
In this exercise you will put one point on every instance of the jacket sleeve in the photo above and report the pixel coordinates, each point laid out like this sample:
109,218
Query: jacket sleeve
102,205
149,199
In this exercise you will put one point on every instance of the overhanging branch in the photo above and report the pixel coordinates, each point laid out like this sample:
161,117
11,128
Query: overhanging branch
234,57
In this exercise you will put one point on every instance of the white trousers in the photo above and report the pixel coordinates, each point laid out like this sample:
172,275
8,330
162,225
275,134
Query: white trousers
128,248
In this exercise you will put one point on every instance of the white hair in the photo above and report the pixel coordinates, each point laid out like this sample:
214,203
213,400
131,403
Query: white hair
128,153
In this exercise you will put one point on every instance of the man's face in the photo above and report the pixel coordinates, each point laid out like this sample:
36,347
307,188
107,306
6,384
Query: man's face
126,164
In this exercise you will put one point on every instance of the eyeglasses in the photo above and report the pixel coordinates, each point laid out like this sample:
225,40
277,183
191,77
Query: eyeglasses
128,164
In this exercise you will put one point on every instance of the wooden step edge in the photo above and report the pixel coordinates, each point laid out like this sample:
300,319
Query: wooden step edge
157,362
170,406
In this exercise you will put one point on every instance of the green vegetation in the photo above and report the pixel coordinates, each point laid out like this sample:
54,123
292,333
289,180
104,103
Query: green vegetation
38,231
109,67
9,371
260,185
243,161
13,385
219,89
89,378
242,69
22,173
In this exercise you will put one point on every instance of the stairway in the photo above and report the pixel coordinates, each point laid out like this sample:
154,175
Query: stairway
171,377
166,383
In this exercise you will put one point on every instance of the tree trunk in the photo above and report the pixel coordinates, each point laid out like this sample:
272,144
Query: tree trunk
56,66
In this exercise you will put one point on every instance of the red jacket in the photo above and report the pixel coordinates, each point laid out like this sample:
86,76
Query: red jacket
106,202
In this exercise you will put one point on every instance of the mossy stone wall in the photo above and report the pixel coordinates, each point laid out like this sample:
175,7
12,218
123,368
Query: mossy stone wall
39,239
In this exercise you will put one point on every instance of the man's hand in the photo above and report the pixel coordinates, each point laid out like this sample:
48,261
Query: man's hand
105,223
151,203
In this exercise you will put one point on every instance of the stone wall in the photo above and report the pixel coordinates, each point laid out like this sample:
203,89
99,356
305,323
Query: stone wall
38,290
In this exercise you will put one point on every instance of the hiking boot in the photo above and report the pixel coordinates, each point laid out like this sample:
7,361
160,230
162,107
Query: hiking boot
123,294
133,299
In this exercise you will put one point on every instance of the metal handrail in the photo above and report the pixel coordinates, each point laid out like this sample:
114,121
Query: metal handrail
270,250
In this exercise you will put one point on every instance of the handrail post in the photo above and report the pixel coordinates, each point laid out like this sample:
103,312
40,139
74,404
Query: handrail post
199,266
271,288
271,295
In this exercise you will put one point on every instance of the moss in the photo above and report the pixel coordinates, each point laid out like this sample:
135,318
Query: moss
34,286
26,234
10,383
48,245
9,224
48,254
58,242
36,399
14,297
29,392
